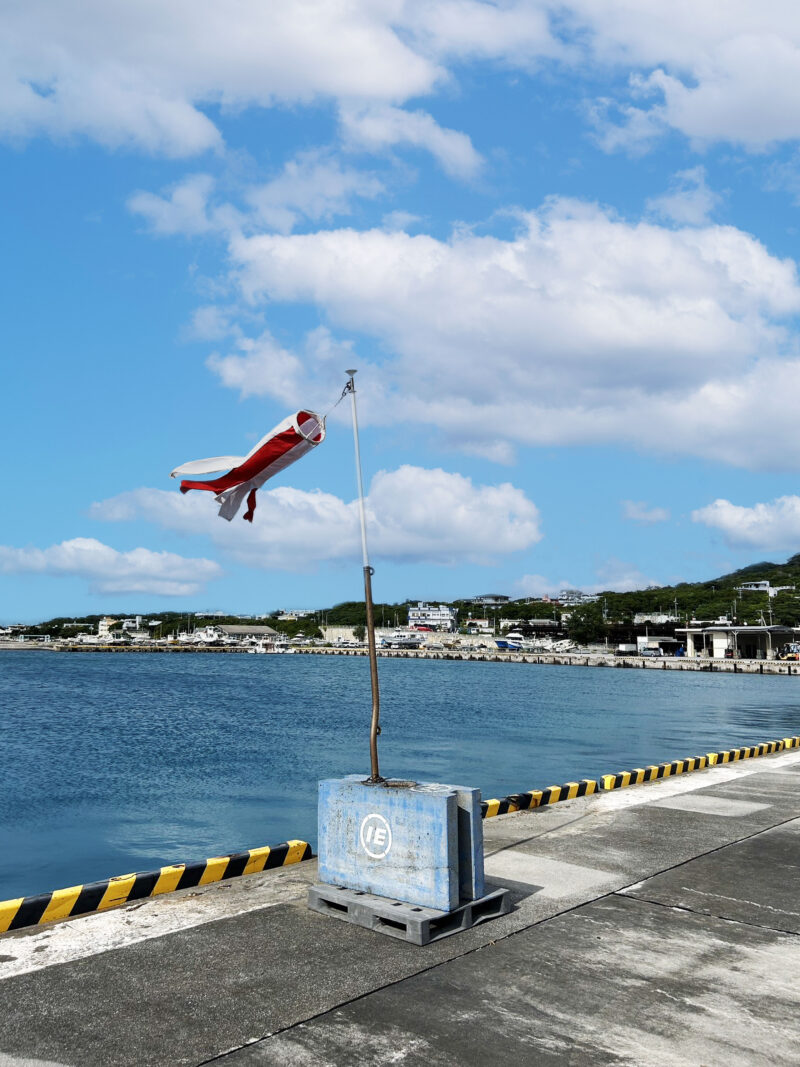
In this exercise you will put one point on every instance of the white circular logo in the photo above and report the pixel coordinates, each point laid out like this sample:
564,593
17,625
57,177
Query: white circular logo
375,835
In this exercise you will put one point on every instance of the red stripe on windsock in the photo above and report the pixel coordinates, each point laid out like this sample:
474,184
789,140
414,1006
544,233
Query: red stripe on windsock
274,449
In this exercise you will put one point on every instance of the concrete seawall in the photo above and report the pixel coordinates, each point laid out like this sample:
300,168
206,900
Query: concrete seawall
566,659
580,659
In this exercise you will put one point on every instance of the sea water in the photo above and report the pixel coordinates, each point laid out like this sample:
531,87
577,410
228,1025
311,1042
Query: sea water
114,762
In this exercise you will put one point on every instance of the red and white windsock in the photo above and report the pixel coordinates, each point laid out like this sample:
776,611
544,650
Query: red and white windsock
287,442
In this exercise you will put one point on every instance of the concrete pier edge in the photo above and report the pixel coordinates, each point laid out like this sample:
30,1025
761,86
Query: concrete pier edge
21,912
75,901
648,926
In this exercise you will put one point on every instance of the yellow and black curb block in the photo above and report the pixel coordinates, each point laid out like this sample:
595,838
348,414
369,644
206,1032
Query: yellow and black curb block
99,896
538,798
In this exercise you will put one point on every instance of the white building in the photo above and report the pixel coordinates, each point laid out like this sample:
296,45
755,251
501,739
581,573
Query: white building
104,626
656,617
764,587
435,616
574,597
722,640
491,600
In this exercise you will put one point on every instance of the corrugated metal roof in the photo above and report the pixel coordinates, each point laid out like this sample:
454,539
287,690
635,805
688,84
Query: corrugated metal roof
243,631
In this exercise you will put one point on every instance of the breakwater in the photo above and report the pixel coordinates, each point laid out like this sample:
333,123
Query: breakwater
580,659
562,659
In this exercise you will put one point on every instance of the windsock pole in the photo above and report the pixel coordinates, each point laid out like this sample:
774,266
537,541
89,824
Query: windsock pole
375,726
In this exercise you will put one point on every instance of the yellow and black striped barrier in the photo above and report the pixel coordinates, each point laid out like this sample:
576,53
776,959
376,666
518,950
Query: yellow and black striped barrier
111,892
538,798
655,772
99,896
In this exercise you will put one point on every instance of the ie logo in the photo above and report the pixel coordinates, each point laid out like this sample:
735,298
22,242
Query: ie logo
375,836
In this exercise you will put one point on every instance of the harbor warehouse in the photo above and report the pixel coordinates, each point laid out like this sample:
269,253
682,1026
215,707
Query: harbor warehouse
726,641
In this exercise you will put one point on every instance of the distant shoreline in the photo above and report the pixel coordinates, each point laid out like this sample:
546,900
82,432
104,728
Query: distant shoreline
567,659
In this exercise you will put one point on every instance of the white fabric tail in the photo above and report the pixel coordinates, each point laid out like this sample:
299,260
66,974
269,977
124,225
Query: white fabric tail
231,500
207,466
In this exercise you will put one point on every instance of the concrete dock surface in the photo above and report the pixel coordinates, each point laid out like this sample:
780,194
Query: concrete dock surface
655,924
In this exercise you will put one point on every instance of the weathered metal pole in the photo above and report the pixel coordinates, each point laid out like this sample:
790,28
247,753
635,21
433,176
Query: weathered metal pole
375,725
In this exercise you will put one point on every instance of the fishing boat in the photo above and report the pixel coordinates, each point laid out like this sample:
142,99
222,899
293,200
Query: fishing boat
403,639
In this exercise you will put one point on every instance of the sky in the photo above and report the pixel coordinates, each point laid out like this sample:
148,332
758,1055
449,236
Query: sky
557,240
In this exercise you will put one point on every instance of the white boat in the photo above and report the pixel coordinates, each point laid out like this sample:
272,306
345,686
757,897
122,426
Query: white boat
261,648
515,642
403,639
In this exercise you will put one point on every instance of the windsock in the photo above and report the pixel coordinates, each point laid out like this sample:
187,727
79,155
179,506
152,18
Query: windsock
281,447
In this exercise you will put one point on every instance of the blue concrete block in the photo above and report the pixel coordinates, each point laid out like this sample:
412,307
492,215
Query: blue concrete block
471,885
394,840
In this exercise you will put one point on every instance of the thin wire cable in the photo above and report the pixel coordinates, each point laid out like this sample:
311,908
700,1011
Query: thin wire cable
345,391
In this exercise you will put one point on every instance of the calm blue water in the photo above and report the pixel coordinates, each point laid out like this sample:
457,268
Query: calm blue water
114,763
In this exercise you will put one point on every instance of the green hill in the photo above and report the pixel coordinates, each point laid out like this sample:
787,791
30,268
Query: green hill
610,616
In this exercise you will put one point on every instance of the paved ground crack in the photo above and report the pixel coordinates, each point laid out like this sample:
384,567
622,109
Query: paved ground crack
705,914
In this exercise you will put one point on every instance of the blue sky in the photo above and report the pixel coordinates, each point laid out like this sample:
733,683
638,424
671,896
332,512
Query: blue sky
557,240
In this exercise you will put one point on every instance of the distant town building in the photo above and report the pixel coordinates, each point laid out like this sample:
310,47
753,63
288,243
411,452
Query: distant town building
574,597
436,616
298,613
722,640
764,587
490,600
658,618
104,626
478,626
663,645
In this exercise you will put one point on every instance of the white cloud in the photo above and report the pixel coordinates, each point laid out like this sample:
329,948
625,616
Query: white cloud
689,202
314,186
619,576
380,126
212,323
612,576
537,585
184,210
262,365
734,78
399,220
110,571
517,32
151,74
638,511
414,514
773,525
583,328
785,177
140,74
